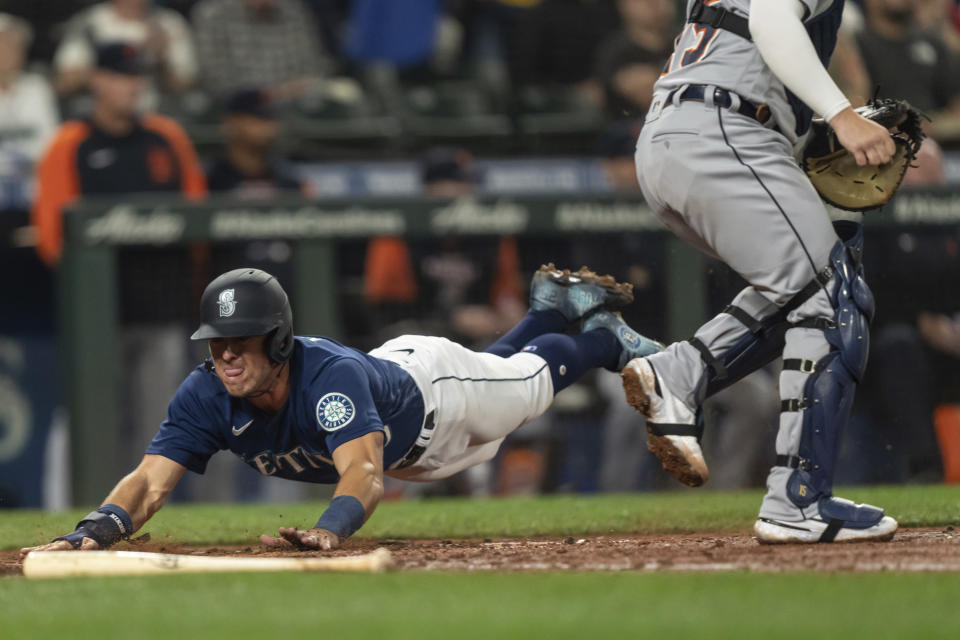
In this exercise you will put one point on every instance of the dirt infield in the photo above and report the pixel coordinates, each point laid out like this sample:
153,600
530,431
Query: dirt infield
910,550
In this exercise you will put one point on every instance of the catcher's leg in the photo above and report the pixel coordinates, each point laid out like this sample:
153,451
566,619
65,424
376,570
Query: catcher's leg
824,359
745,336
737,189
757,337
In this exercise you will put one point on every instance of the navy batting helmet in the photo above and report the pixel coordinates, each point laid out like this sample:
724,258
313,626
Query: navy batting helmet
248,302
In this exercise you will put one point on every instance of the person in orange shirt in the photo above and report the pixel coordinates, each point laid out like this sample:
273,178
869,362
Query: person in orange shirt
474,286
115,150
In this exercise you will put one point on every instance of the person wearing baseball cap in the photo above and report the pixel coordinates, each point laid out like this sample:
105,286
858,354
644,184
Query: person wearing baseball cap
121,58
249,167
28,106
161,34
309,409
114,150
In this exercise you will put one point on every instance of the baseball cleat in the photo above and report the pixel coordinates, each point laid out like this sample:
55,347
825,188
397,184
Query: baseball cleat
634,345
575,294
672,431
823,529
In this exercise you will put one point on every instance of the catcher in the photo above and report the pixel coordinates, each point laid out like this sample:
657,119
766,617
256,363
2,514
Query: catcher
715,160
313,410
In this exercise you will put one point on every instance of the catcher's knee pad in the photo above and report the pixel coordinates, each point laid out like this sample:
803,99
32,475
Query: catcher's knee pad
828,392
763,338
761,343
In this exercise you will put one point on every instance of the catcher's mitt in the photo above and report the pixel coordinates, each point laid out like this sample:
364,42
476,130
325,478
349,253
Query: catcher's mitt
834,171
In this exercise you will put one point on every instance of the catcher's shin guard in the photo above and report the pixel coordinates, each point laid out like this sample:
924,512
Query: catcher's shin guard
764,336
746,336
762,341
827,397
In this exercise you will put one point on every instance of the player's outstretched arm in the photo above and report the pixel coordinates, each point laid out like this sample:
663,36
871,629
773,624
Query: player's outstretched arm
138,496
777,29
360,465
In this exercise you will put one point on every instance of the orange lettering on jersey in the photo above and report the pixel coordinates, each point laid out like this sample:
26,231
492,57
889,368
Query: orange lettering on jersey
705,36
666,67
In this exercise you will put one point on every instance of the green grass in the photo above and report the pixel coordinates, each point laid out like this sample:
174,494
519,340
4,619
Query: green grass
678,511
455,606
467,605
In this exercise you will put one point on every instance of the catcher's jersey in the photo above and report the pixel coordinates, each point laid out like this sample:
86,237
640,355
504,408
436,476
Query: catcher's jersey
337,394
705,55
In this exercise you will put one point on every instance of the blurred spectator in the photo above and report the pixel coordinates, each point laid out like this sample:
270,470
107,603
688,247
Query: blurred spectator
616,146
46,18
265,43
954,19
489,29
161,34
401,34
556,43
927,168
331,15
28,113
629,63
891,437
477,287
447,173
249,168
468,288
941,17
846,64
912,64
396,45
940,331
114,151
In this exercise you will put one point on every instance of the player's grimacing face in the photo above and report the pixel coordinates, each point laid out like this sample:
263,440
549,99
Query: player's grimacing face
241,364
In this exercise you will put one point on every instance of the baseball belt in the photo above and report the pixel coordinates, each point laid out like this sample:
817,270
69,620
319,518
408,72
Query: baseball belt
420,445
723,98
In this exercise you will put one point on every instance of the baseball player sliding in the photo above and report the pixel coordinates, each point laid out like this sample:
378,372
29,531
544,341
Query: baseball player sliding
311,409
715,160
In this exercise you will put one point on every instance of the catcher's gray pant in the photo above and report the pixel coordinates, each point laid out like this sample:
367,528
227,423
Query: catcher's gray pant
731,188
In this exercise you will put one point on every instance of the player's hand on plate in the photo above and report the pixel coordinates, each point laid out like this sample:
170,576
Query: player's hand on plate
869,142
88,544
302,539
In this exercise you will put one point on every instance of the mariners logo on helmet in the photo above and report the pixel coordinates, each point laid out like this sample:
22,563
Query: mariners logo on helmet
335,411
227,304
